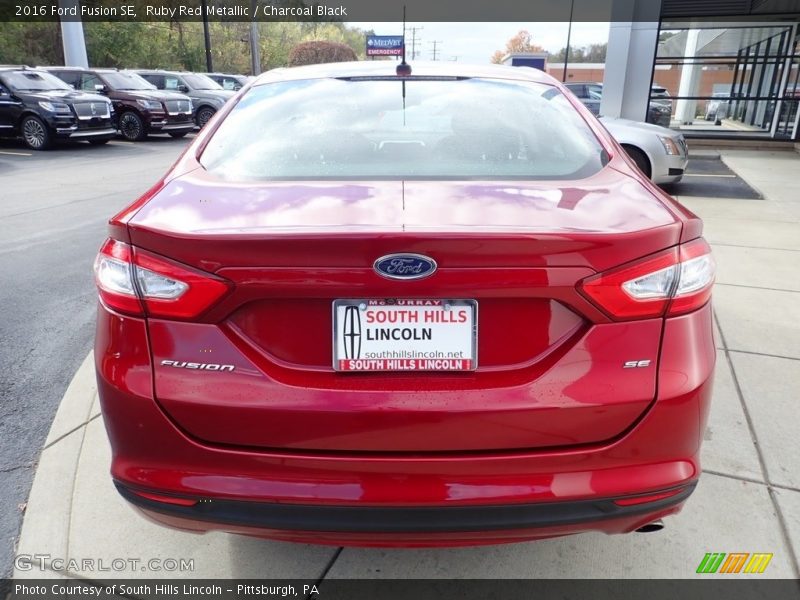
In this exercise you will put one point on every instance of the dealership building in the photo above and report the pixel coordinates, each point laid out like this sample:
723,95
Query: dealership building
731,66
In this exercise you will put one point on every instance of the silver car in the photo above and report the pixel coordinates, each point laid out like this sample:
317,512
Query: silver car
660,153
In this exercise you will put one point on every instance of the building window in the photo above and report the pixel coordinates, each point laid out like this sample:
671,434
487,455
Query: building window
733,81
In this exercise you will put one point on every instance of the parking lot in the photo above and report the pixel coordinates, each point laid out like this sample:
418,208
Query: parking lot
52,217
52,220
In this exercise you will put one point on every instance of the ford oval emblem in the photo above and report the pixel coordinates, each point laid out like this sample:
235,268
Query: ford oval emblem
405,266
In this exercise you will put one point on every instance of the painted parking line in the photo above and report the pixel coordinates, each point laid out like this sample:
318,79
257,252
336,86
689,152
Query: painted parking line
708,175
16,153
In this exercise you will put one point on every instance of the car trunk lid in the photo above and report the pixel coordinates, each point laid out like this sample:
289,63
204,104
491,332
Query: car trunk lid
549,363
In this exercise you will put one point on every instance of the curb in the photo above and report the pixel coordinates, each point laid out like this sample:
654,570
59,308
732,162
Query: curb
739,175
46,525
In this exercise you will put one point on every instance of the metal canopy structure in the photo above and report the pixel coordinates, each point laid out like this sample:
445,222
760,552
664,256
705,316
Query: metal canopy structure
772,9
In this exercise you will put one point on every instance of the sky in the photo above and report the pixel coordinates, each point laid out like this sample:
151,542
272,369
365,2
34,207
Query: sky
476,42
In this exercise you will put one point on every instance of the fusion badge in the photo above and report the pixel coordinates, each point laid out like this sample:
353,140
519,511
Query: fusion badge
196,366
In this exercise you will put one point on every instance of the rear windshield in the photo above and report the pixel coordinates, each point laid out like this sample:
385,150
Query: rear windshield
389,128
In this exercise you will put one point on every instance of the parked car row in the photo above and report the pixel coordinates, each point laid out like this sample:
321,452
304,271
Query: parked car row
40,108
207,95
44,104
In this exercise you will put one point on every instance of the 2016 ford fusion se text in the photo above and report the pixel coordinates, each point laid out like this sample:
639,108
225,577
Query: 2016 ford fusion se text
425,306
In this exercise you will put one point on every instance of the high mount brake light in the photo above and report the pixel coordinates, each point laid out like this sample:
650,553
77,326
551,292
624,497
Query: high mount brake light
137,282
669,283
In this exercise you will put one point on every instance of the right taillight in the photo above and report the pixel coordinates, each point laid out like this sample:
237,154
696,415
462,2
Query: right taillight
138,282
669,283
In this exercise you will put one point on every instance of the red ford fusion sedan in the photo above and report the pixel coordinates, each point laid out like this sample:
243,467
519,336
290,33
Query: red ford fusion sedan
431,308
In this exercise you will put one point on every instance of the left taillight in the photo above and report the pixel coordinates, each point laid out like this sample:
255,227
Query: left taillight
670,283
134,281
113,274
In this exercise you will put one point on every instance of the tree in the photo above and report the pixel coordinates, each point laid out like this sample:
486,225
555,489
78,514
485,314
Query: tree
312,53
522,42
175,44
30,43
593,53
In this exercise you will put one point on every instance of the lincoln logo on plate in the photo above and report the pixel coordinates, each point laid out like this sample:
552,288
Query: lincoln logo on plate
352,332
405,266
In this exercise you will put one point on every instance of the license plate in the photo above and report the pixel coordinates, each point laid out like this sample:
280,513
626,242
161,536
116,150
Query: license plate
405,335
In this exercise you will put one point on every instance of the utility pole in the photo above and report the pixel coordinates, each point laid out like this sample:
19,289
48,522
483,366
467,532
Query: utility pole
207,37
414,31
255,46
435,45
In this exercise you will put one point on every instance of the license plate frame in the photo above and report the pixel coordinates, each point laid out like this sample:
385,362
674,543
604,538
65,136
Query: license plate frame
467,336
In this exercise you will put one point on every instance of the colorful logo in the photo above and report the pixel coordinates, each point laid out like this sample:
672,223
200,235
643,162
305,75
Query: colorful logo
735,562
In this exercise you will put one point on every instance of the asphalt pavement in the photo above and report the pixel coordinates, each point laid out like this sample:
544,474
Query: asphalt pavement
707,176
53,209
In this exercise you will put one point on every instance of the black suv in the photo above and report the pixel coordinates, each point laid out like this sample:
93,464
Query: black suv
42,108
207,95
142,109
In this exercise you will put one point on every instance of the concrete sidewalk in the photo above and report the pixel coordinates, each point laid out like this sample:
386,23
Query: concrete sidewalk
748,499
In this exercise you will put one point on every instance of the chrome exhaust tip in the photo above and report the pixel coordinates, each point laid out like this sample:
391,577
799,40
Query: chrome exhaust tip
651,527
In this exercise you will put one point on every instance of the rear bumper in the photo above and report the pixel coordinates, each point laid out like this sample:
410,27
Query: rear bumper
406,520
405,499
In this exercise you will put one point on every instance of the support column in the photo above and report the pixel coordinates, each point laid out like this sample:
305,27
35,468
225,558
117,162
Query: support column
72,36
685,110
632,43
